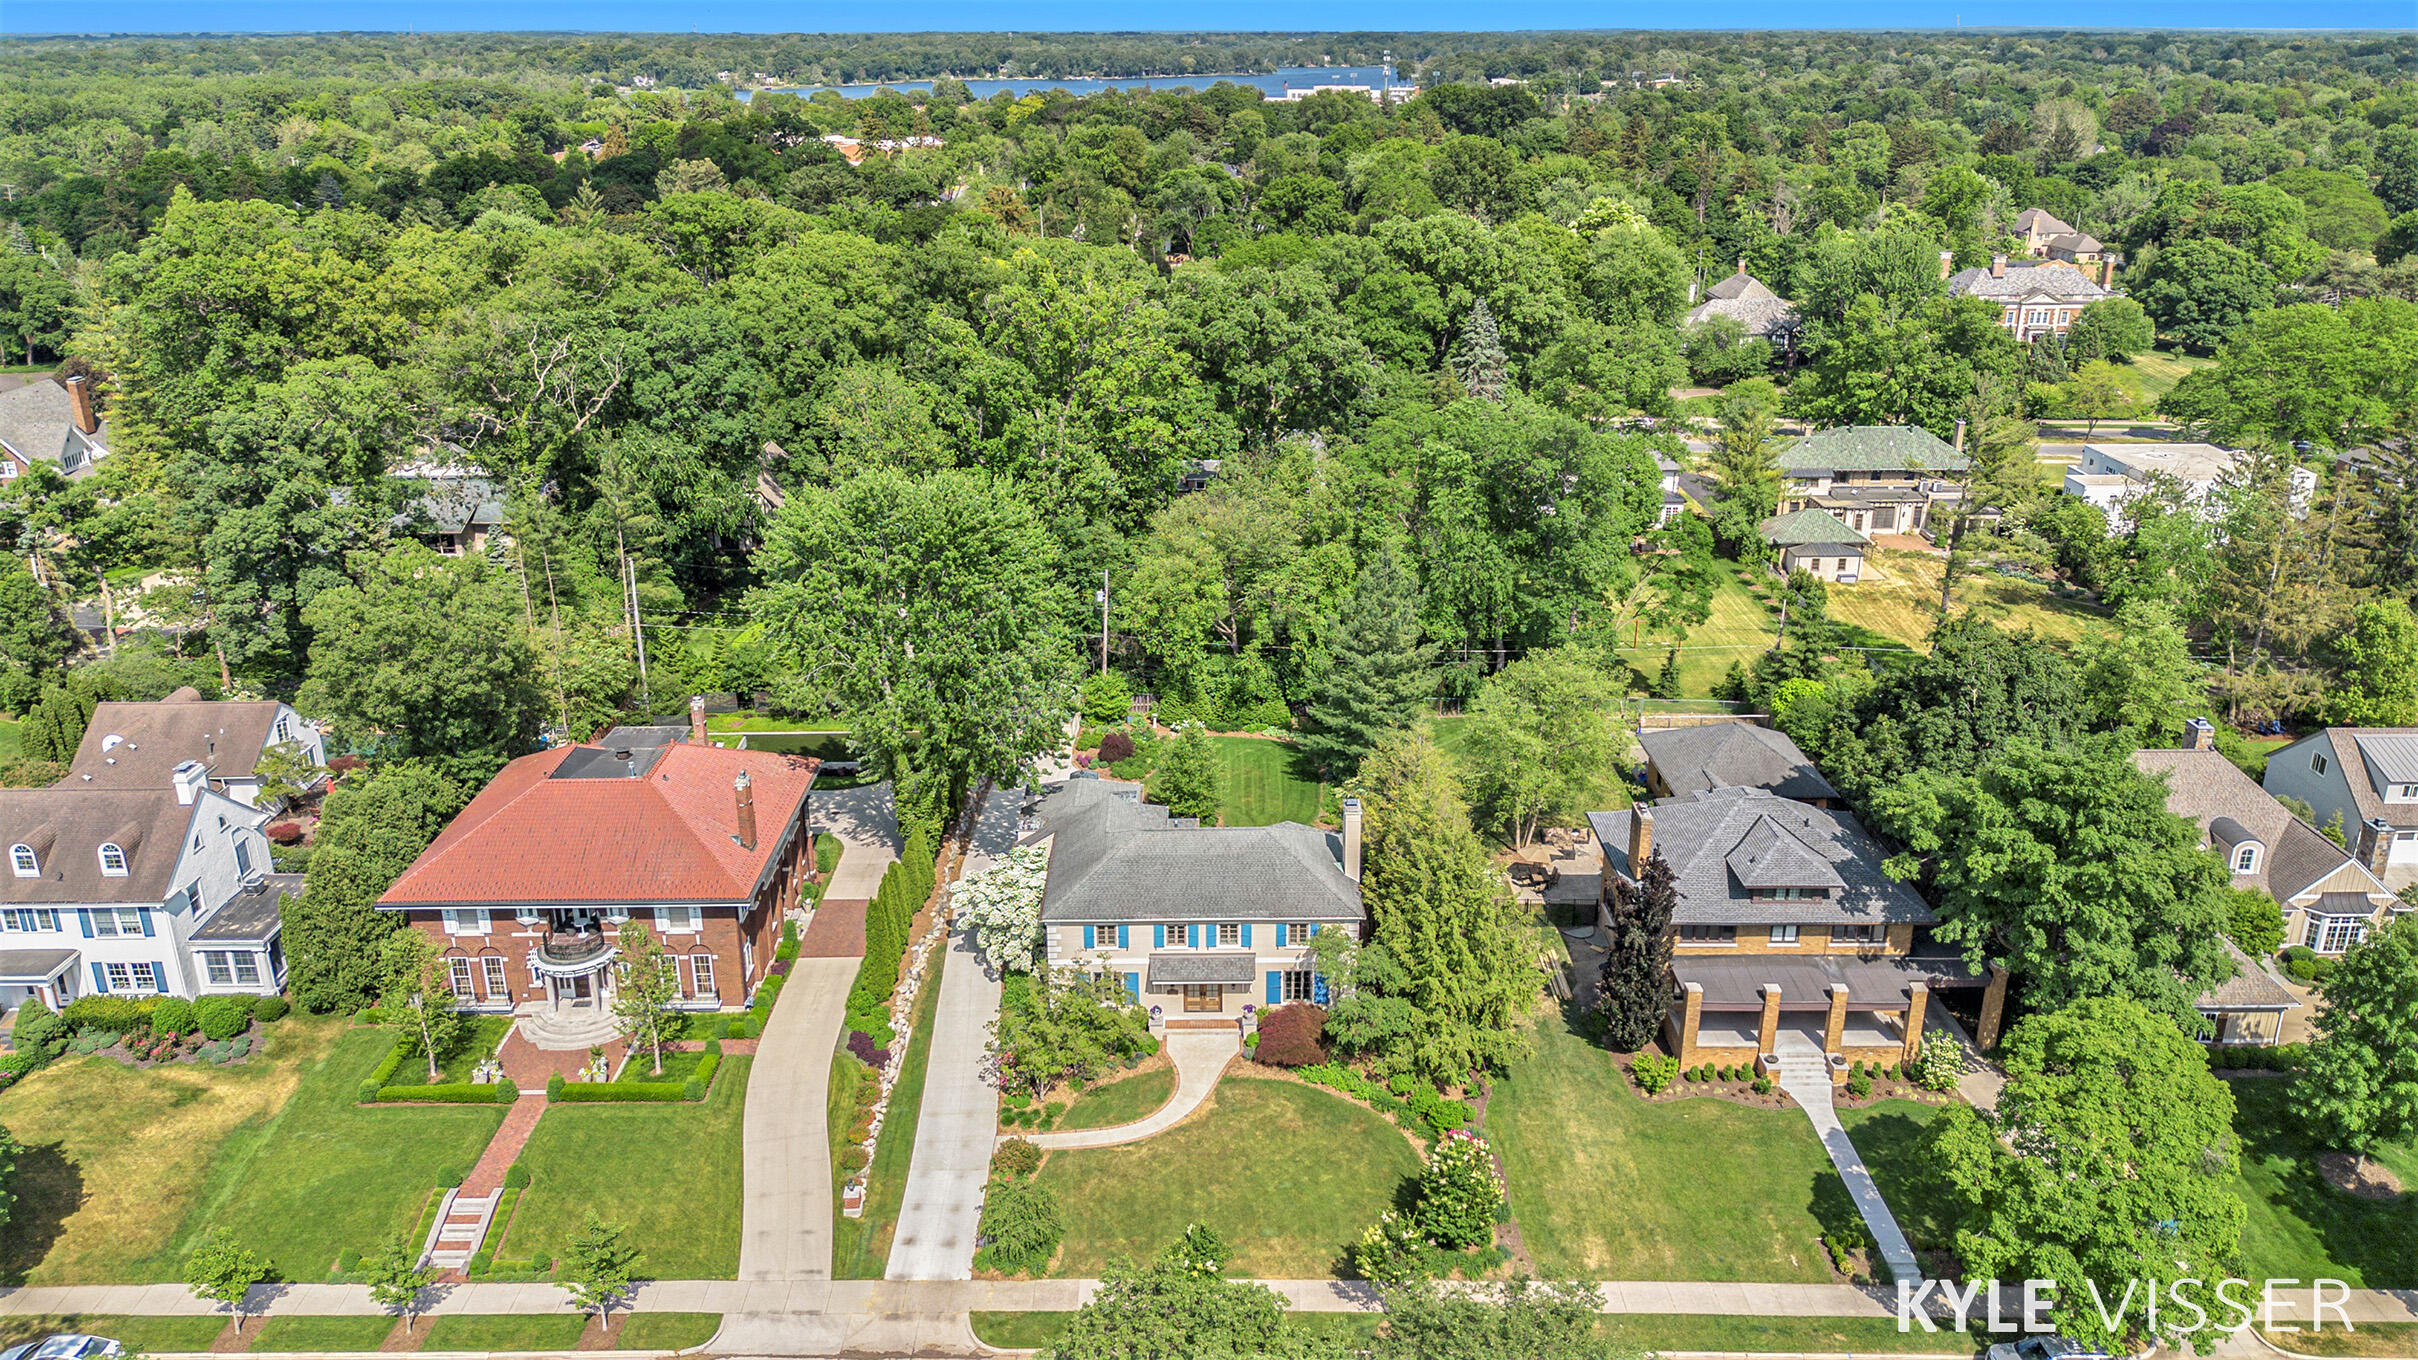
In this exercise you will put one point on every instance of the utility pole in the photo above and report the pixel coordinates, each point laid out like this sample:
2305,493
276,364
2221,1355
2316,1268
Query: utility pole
1103,620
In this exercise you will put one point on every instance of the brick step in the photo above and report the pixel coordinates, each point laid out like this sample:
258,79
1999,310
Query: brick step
1228,1025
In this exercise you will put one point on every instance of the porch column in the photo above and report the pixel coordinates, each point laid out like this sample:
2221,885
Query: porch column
1691,1013
1834,1034
1768,1038
1993,1008
1918,1000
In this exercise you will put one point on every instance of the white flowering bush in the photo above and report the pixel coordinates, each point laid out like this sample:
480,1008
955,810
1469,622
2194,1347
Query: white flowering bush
1003,905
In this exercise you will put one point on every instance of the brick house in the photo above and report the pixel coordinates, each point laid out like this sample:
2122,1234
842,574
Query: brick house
526,892
1201,922
2035,299
1787,935
1876,479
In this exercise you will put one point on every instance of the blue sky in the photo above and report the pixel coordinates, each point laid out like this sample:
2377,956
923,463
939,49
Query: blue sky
155,16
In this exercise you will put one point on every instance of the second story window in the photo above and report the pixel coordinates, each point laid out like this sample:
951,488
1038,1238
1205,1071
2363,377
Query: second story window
1229,934
1784,934
1708,934
21,858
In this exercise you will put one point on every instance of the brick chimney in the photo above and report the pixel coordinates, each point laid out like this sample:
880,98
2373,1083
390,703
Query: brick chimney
2375,844
2107,272
1960,436
1742,266
2199,735
1351,839
1998,266
1947,263
79,401
696,718
1641,839
746,794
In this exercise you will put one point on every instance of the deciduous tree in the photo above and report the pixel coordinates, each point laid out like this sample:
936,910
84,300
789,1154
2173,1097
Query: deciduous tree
2360,1089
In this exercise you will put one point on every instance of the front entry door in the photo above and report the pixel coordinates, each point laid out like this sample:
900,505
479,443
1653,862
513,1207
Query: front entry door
1202,997
581,989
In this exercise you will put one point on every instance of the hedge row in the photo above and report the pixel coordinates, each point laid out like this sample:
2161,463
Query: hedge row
906,885
616,1092
1431,1112
373,1086
450,1093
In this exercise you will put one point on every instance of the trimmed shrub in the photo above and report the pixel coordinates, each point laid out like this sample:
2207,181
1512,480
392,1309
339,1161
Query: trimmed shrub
1763,1085
283,833
40,1033
348,1260
516,1177
270,1009
555,1086
1018,1157
619,1092
222,1017
1859,1083
1292,1036
862,1047
1114,747
852,1159
451,1093
111,1015
452,1177
1653,1071
173,1015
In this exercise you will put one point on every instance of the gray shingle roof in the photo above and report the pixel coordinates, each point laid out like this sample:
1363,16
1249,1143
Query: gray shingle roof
1177,970
1115,858
1809,525
67,827
1697,835
2049,280
1768,856
1733,755
38,421
1742,285
2249,989
2039,220
227,735
2212,791
453,504
1871,448
23,966
1760,316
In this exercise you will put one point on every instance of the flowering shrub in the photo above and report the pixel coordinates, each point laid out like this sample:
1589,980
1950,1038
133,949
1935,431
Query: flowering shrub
1939,1064
1003,905
1391,1252
1458,1193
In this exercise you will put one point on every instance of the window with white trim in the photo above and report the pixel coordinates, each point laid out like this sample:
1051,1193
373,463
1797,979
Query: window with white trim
499,988
2245,859
109,923
1297,985
29,918
1784,934
217,968
1229,934
465,920
21,858
2317,762
701,971
113,859
2334,934
1178,936
132,977
680,920
460,970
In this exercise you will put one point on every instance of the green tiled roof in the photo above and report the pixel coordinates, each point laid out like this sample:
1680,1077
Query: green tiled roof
1808,525
1872,448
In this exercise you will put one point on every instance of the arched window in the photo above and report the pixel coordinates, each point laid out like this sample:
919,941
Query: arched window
21,858
113,859
2245,858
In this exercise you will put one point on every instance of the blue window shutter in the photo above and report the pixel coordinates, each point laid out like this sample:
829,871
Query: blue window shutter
1192,937
1158,937
1281,931
1246,934
159,977
1276,989
84,919
100,978
1089,940
1318,988
1133,985
145,913
1121,944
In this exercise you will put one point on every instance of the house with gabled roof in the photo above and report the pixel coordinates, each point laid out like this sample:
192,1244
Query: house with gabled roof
1877,479
1205,924
526,892
1732,754
134,745
51,421
1815,541
1747,300
2368,778
2035,298
1788,935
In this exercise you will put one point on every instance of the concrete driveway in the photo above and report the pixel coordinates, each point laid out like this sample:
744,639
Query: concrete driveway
785,1220
866,822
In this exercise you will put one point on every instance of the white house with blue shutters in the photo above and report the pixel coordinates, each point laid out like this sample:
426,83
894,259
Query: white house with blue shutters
1203,923
160,891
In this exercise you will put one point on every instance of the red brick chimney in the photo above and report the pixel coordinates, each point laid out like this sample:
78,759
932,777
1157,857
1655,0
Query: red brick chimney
1947,263
1998,266
1641,840
747,810
79,401
2107,272
696,719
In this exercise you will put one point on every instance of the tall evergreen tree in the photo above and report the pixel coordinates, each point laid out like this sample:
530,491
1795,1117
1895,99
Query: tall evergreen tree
1379,678
1632,989
1483,367
1185,779
369,834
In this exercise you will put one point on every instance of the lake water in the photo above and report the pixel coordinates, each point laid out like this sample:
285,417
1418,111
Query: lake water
1272,83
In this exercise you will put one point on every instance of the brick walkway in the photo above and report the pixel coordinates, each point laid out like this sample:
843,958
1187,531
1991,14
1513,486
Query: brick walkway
837,932
505,1147
527,1066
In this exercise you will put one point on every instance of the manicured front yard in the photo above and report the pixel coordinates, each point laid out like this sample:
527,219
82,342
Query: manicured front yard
1286,1173
124,1168
2299,1226
279,1334
669,1172
1637,1331
1606,1186
1120,1102
145,1334
1899,600
504,1332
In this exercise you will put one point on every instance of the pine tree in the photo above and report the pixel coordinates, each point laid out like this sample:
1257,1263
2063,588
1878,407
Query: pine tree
1666,684
1483,367
1634,985
1185,780
1379,679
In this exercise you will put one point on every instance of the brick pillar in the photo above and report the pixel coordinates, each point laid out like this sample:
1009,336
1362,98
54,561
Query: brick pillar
1691,1014
1768,1037
1993,1007
1834,1034
1919,999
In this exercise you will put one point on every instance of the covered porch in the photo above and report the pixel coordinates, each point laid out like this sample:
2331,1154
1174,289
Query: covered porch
1200,986
1737,1011
46,975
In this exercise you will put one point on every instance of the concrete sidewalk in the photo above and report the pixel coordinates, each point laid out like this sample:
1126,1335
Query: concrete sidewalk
1200,1058
785,1196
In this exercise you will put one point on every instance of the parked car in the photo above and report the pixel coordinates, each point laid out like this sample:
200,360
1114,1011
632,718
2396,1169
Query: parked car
65,1346
2038,1348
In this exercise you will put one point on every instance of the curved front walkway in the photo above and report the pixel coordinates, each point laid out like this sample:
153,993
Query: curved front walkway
1200,1058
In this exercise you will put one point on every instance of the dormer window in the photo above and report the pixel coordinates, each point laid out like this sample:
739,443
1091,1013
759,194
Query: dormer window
112,742
2245,859
21,858
113,859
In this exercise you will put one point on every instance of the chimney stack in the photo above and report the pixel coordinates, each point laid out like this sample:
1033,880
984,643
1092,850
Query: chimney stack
1742,266
2107,272
1641,840
1998,266
189,776
2375,843
746,794
1960,436
1947,263
1351,839
79,401
2199,735
696,718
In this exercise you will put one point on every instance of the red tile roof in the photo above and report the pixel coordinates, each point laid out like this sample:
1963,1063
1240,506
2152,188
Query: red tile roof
670,835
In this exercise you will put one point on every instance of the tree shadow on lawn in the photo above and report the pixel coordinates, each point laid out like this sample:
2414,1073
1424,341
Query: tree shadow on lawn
2376,1237
1892,1148
49,1188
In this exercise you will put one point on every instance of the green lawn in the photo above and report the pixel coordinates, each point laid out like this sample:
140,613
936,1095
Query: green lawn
479,1039
1031,1331
2395,1339
1638,1331
1120,1102
839,1110
1263,782
1286,1173
504,1332
2155,374
1608,1187
1899,599
861,1247
2301,1227
124,1168
1740,627
669,1172
761,722
321,1333
668,1331
12,744
140,1334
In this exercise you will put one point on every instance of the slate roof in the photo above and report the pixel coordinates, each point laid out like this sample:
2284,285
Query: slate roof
1742,285
1870,448
1698,835
2230,808
226,735
2075,242
2048,280
67,827
1733,755
1115,858
38,421
669,834
250,916
1760,316
1809,525
2249,989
